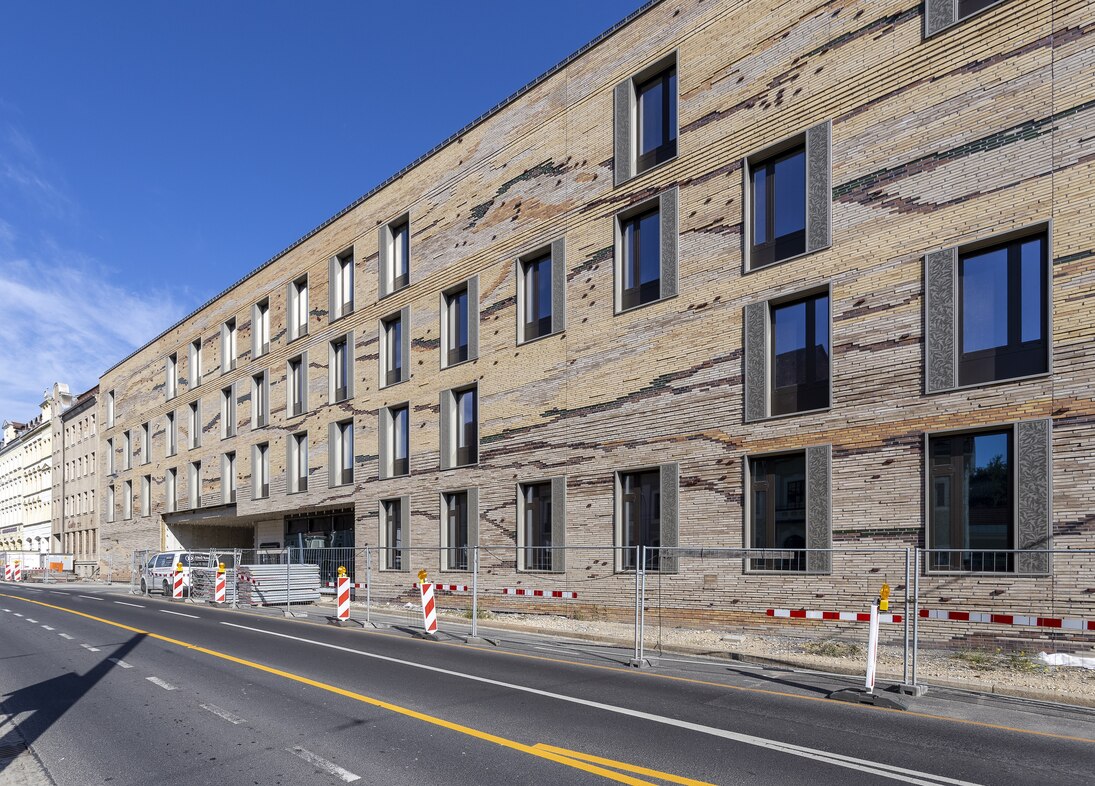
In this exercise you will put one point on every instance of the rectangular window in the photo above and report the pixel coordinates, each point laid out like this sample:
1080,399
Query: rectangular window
228,413
1002,321
194,484
392,359
194,425
260,329
800,355
110,409
395,433
228,478
456,325
195,363
340,370
467,427
536,525
298,308
640,515
640,263
172,435
971,503
456,530
392,511
778,206
261,470
777,507
342,284
298,462
970,7
171,489
171,384
656,119
146,445
127,500
228,346
260,400
296,392
110,456
341,453
146,495
397,259
127,451
535,285
110,504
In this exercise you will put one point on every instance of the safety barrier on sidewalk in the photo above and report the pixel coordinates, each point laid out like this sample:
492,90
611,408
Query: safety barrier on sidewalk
536,593
219,589
450,587
7,572
343,598
429,610
18,573
835,616
1064,623
350,585
177,589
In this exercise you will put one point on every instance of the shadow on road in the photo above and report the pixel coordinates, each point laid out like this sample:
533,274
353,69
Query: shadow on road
49,700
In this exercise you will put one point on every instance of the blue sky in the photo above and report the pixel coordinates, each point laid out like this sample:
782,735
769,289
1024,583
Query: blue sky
151,153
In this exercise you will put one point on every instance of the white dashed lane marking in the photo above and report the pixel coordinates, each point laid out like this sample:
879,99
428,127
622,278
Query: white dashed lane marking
64,636
180,614
28,619
89,648
161,683
320,762
134,605
120,663
222,713
47,627
89,597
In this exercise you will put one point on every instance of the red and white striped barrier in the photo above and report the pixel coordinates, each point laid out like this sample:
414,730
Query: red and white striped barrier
343,598
177,590
835,616
18,572
1064,623
219,588
7,571
429,610
246,578
535,593
450,587
352,586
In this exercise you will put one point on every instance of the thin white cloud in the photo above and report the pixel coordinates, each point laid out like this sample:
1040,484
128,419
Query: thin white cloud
63,320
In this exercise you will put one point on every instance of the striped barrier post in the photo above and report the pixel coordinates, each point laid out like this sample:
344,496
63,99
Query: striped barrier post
177,590
219,588
18,572
7,571
343,595
429,609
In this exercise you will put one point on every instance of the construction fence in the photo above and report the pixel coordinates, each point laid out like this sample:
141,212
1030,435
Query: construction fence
658,601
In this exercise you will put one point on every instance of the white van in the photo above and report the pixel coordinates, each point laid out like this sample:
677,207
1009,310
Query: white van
158,574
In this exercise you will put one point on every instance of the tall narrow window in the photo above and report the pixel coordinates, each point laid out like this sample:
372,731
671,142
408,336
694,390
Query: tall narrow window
110,504
110,456
194,485
393,533
640,512
777,510
392,350
640,261
342,284
656,119
778,206
172,434
342,453
800,355
146,495
298,462
228,346
456,530
260,329
395,433
110,409
340,369
127,451
127,500
296,391
195,363
456,324
399,256
467,427
260,400
194,425
535,512
146,445
536,296
298,308
171,489
1003,311
171,383
261,470
972,518
228,413
228,478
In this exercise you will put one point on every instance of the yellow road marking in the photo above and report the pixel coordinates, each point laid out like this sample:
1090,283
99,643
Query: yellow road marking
665,776
405,711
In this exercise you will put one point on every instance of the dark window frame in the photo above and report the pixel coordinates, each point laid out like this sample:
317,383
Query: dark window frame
1018,358
767,483
666,79
392,328
403,280
537,555
345,473
340,394
776,249
457,520
639,294
532,272
296,392
812,385
400,466
467,455
393,522
454,352
632,534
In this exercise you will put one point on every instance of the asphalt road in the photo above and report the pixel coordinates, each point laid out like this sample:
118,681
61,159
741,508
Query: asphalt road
110,688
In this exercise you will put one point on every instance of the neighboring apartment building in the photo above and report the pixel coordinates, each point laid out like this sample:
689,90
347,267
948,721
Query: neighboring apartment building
26,476
738,273
75,524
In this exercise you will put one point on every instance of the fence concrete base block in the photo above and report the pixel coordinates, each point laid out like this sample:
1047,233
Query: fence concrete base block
861,696
640,663
350,623
478,640
910,690
425,636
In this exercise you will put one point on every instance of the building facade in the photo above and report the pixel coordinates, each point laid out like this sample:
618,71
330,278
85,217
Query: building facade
26,476
764,274
75,521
